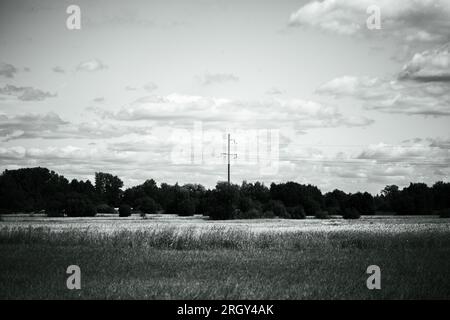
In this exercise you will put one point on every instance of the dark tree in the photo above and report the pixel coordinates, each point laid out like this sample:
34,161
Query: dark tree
147,205
108,188
79,205
362,202
124,210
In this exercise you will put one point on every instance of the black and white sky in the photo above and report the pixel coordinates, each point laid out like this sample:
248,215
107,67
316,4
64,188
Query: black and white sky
353,108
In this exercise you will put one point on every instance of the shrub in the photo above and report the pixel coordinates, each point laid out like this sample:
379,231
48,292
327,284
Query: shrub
322,214
278,209
268,214
147,205
105,208
334,211
445,213
217,212
351,213
297,212
252,214
124,210
79,206
247,203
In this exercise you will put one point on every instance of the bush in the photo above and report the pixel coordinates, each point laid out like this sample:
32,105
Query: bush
247,203
351,213
334,211
445,213
268,214
252,214
322,214
104,208
124,210
217,212
297,212
278,209
79,206
147,205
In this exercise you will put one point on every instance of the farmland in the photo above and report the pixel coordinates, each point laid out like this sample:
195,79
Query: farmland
170,257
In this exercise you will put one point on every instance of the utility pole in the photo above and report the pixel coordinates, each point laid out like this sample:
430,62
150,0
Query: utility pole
228,154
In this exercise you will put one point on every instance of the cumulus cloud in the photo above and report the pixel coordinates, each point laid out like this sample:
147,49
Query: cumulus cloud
415,153
422,87
391,95
404,163
91,66
25,93
405,20
266,113
28,125
7,70
135,158
51,126
428,66
381,164
217,78
79,161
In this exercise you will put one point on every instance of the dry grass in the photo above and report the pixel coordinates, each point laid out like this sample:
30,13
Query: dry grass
228,261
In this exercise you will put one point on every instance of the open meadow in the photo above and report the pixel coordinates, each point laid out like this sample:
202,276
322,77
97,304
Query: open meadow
171,257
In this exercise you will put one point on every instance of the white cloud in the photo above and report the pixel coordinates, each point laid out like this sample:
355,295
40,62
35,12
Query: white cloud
430,65
392,96
267,113
91,65
404,20
26,93
417,152
29,125
51,126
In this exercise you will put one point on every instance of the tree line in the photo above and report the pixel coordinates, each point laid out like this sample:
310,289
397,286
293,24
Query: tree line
41,190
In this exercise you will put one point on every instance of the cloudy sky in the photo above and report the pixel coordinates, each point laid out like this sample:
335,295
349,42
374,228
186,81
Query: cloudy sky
149,89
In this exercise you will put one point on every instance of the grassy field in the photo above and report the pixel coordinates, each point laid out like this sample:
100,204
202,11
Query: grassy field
191,258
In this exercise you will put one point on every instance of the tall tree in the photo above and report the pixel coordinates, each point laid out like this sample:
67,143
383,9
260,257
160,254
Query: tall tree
108,188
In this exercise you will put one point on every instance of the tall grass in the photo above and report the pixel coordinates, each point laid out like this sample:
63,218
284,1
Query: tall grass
220,237
223,263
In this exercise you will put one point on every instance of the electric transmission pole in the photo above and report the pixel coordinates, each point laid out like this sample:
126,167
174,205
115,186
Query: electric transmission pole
228,154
